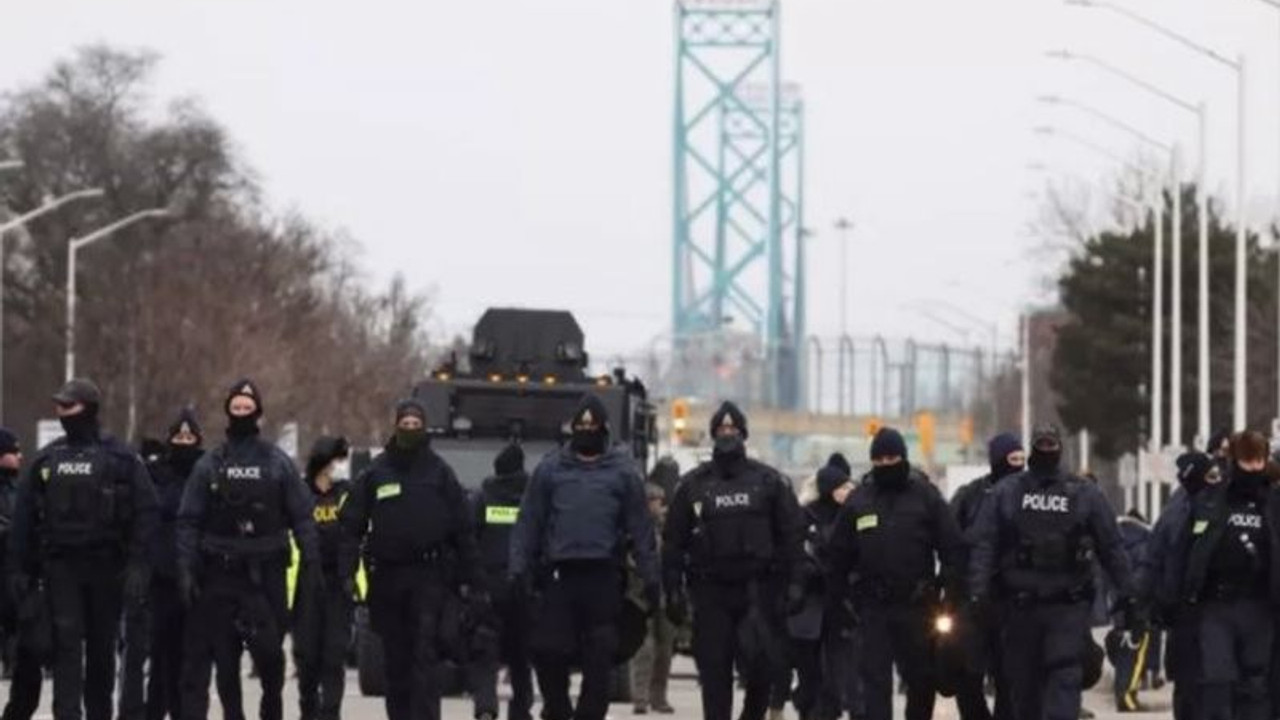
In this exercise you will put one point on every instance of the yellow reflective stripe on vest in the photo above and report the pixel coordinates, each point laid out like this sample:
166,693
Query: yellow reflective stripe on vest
499,515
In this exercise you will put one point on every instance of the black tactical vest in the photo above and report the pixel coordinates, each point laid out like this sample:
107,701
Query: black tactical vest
83,503
501,508
247,498
734,523
326,511
410,513
1051,534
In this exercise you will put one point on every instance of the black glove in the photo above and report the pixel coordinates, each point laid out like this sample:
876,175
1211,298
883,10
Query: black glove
795,599
137,583
188,588
19,586
677,608
653,599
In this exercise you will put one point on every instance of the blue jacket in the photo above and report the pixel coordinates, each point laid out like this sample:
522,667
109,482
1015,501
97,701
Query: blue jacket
1160,571
575,509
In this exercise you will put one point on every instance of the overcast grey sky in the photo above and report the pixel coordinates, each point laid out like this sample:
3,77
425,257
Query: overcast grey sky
518,151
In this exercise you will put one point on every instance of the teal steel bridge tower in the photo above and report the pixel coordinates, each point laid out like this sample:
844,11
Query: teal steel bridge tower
738,236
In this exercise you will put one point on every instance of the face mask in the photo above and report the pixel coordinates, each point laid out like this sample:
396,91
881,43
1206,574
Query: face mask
1044,461
894,475
242,426
81,427
410,440
588,443
1249,480
8,473
729,447
183,458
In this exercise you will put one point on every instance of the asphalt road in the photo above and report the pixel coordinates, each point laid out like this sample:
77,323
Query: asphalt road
684,697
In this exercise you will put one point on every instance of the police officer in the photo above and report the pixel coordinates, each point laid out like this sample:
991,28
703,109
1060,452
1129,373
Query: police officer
412,516
819,646
322,620
1006,457
733,540
496,509
584,506
1232,577
87,509
241,502
22,662
891,534
1035,544
1160,580
169,469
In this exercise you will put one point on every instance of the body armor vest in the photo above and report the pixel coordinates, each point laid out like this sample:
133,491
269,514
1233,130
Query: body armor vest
1050,528
247,497
82,503
734,523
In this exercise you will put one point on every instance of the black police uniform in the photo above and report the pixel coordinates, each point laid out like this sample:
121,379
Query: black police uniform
889,537
577,516
733,538
1160,576
24,664
322,620
1035,540
1232,578
820,642
169,473
497,508
86,509
240,504
413,518
984,632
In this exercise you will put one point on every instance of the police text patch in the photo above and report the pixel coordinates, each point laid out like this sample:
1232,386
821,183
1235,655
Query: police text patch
1045,503
389,490
498,515
867,522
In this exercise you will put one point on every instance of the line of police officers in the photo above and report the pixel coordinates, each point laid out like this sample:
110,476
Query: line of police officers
207,536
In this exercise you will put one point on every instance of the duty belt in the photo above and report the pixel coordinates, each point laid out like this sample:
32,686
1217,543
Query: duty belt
1061,597
885,592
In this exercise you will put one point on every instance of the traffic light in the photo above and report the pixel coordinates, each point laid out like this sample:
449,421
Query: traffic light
872,427
925,426
679,420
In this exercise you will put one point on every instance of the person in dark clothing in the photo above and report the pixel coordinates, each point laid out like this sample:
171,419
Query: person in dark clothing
583,506
240,504
666,475
155,630
25,666
892,534
1231,576
1035,543
841,463
85,514
819,640
497,507
733,541
322,620
1160,580
413,521
1130,653
1006,457
651,666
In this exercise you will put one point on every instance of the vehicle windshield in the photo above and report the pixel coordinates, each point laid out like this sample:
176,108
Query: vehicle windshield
472,459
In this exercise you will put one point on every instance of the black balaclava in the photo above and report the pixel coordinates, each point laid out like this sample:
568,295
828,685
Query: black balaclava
81,428
183,457
246,426
510,461
8,446
998,451
1046,450
731,448
593,441
1193,468
890,443
408,441
1248,446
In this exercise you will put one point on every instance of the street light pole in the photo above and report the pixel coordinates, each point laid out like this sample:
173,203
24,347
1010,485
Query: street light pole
73,247
1202,213
18,222
844,225
1240,408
